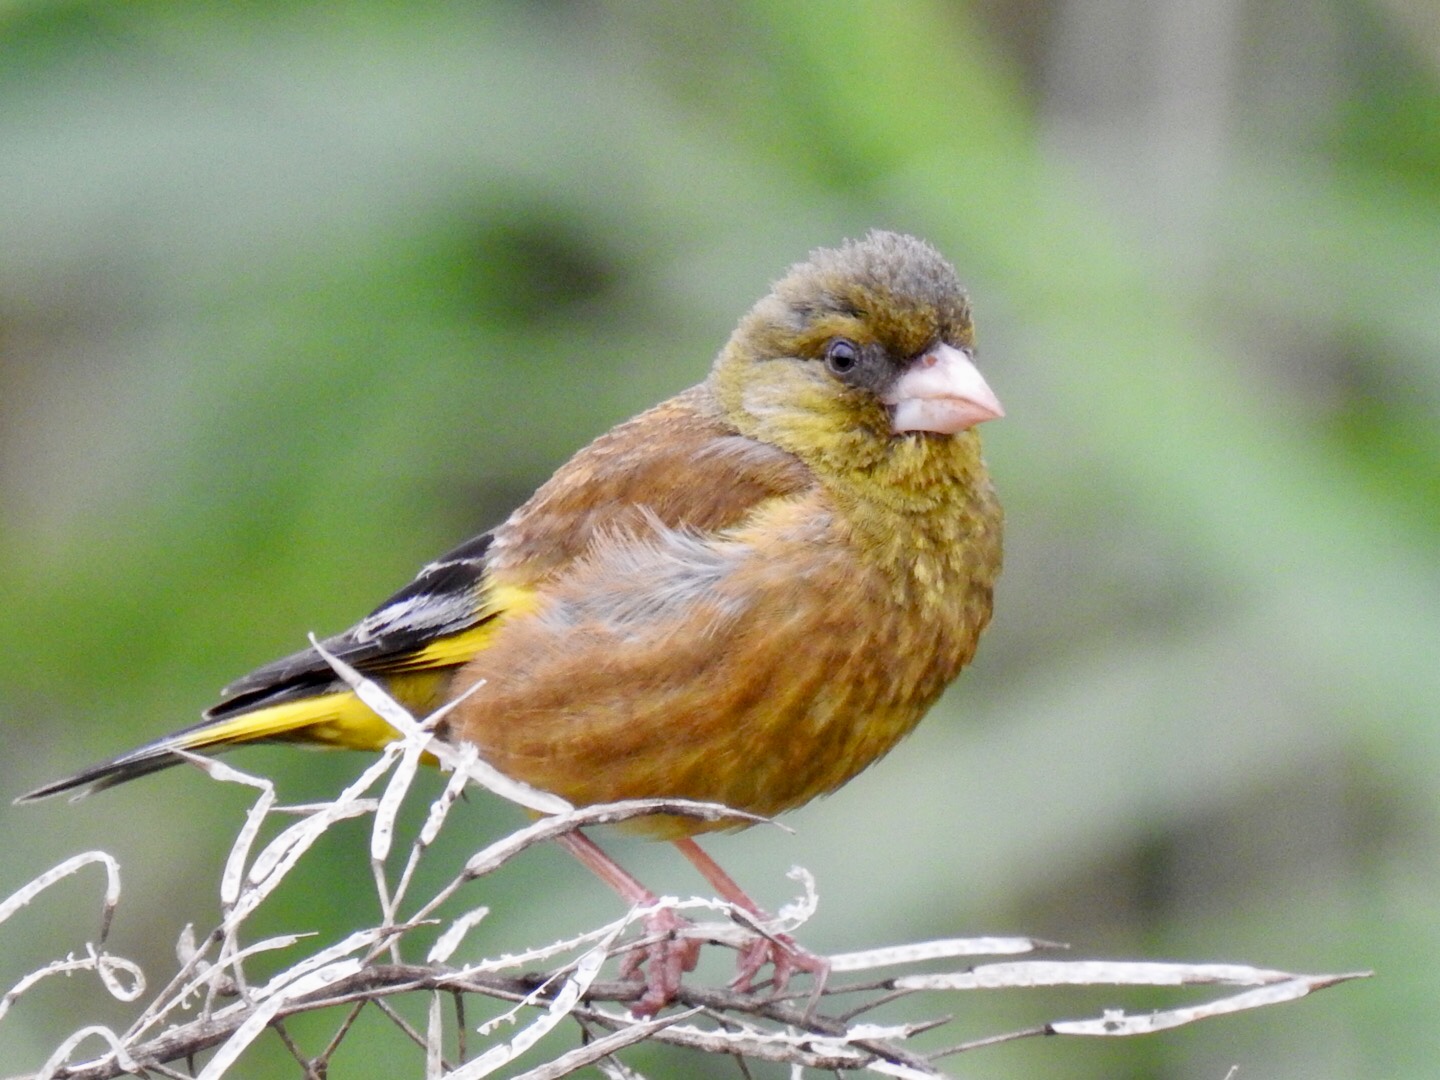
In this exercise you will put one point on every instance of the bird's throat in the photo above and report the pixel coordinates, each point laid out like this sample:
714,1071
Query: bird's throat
926,514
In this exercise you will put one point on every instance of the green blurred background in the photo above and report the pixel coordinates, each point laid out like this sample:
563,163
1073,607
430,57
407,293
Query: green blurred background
292,297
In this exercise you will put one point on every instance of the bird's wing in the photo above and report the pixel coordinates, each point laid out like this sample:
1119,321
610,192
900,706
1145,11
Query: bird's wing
447,598
680,464
677,464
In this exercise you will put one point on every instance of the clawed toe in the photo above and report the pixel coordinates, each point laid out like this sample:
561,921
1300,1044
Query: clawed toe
785,955
665,960
670,953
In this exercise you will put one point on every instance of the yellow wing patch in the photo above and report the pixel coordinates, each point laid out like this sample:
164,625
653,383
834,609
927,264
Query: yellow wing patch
455,649
416,679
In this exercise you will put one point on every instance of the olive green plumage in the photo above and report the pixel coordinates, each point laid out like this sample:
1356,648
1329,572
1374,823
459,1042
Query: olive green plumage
746,594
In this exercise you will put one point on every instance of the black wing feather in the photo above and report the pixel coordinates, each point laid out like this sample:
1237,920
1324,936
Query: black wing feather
445,598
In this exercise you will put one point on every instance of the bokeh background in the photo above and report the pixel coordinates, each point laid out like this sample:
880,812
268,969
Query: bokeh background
294,296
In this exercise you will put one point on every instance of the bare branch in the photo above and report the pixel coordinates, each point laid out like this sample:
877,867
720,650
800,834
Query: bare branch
209,1006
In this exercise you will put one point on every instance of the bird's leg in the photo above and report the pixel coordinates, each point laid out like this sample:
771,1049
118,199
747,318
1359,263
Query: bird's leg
670,956
781,950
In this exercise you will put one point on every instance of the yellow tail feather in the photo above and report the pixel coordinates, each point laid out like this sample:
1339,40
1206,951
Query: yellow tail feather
339,720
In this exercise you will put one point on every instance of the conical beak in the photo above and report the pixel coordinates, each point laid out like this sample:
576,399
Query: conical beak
942,392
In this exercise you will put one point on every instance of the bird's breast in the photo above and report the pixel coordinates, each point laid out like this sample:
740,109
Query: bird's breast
757,669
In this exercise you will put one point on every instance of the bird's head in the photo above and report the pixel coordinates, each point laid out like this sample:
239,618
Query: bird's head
858,347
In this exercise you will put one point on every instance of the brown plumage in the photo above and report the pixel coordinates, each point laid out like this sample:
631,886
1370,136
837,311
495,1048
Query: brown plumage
745,595
762,587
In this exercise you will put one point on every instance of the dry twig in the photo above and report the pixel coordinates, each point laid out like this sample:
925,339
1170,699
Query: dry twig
211,1004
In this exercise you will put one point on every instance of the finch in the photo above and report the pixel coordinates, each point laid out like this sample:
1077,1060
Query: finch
745,595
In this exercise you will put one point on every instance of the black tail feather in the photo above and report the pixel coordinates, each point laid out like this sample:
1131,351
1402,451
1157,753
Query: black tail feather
106,774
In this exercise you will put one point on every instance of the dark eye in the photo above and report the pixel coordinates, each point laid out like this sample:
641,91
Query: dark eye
841,356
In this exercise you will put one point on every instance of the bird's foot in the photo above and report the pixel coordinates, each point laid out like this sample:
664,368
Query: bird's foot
786,956
666,958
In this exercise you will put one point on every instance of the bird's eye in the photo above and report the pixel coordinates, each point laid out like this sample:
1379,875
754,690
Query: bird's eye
841,356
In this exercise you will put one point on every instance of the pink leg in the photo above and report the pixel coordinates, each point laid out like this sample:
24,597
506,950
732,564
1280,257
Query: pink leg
667,960
780,950
631,890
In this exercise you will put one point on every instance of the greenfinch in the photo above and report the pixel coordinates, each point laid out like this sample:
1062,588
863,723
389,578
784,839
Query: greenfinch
745,595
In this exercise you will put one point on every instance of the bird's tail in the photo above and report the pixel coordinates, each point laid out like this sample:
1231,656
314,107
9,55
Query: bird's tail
335,719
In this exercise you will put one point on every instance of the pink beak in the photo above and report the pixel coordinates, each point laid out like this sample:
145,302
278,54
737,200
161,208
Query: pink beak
942,392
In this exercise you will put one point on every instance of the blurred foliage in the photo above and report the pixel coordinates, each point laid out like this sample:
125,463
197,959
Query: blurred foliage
294,296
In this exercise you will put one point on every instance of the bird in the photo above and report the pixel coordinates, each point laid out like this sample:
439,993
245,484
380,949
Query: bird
745,595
